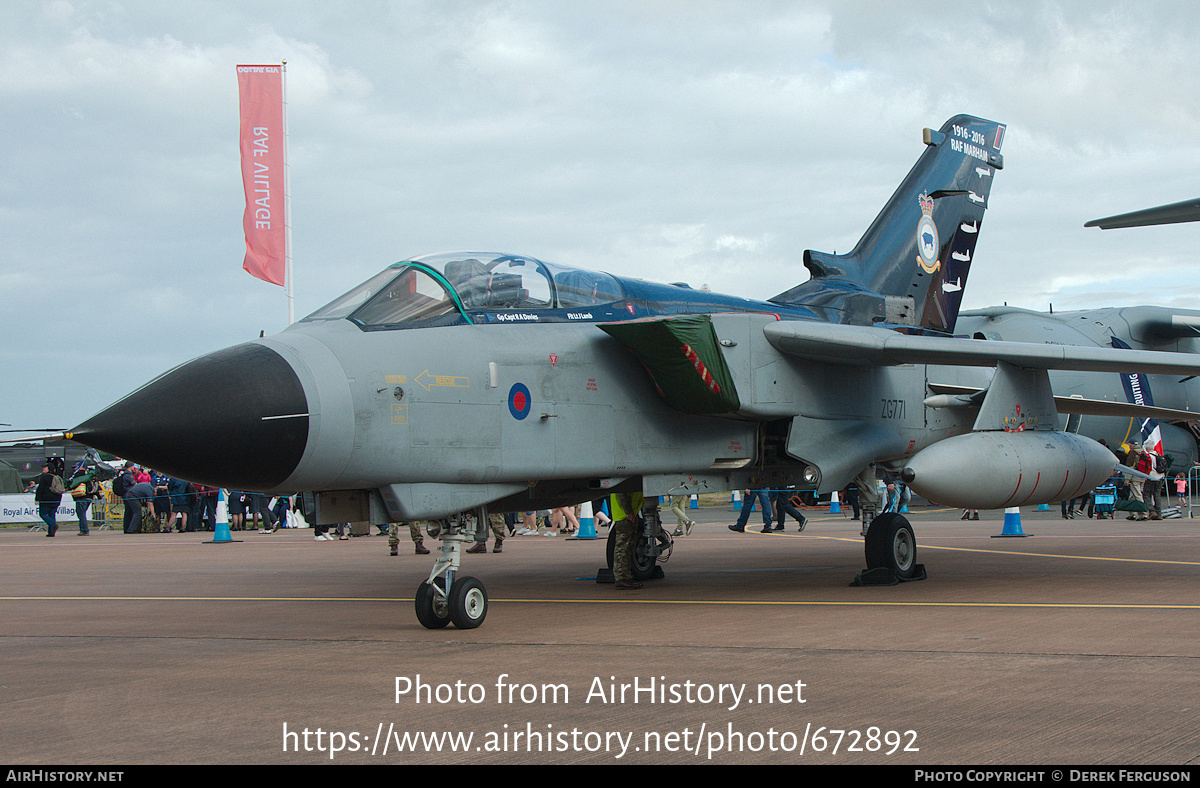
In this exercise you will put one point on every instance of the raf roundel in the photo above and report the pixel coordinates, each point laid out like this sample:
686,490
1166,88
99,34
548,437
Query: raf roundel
518,401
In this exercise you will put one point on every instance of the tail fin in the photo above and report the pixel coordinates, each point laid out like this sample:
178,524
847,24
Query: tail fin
912,263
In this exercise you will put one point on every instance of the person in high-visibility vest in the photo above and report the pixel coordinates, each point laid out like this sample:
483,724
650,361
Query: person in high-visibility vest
625,508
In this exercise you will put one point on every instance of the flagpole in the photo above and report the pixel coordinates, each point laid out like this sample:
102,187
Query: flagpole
287,212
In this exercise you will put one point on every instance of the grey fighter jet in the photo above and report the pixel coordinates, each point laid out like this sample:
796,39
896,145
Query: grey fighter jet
479,382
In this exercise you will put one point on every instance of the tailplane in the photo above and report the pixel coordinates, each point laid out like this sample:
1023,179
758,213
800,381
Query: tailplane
911,265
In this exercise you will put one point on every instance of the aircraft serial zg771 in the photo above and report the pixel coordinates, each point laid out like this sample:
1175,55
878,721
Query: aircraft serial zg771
458,382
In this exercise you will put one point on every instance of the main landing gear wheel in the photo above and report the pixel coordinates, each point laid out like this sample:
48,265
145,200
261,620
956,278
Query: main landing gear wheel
432,606
468,602
890,544
644,560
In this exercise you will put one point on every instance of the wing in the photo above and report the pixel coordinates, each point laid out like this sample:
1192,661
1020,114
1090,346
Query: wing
46,436
864,346
1176,212
1074,405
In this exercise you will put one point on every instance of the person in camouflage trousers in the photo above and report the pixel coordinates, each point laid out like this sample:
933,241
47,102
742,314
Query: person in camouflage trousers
496,523
414,530
625,525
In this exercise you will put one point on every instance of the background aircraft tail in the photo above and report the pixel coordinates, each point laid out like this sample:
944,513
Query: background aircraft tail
911,265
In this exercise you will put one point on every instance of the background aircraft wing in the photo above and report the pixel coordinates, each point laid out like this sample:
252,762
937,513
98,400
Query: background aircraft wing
1176,212
53,436
866,346
1082,406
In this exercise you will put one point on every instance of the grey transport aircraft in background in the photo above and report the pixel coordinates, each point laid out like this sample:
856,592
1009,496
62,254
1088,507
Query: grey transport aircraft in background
452,385
1164,423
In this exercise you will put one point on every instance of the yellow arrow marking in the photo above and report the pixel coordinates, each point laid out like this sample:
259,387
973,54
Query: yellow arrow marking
428,381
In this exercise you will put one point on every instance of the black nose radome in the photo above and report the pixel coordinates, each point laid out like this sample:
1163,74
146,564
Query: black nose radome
236,418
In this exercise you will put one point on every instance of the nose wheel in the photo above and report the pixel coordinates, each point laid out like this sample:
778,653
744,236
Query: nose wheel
433,608
446,597
468,603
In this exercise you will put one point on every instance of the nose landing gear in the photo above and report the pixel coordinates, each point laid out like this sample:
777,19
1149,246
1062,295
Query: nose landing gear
447,597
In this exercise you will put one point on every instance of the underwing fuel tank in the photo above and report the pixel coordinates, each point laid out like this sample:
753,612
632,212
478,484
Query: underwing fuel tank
994,470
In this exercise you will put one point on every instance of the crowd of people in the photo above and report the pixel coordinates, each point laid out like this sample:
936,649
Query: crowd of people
154,502
1143,498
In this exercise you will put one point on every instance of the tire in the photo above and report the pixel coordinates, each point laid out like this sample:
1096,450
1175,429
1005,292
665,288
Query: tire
468,602
891,543
643,562
431,612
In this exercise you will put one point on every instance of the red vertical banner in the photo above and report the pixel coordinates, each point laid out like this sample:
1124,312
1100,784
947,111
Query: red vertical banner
260,93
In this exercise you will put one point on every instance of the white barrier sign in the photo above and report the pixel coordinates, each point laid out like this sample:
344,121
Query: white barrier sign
21,508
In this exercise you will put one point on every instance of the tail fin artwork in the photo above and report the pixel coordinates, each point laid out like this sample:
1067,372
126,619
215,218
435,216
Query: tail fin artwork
911,265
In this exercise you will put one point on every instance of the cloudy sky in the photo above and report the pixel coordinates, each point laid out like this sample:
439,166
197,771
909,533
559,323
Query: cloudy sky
709,142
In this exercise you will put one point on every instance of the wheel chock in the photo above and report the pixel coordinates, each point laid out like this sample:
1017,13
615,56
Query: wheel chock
880,576
883,576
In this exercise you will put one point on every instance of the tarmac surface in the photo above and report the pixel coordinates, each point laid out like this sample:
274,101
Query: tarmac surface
1079,644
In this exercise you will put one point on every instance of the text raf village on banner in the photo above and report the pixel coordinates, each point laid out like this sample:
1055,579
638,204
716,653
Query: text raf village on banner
262,143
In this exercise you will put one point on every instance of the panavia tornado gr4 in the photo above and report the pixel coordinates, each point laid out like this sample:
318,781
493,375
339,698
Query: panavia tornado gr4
480,382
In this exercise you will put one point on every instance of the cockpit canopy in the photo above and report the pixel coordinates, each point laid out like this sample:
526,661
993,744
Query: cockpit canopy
448,288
